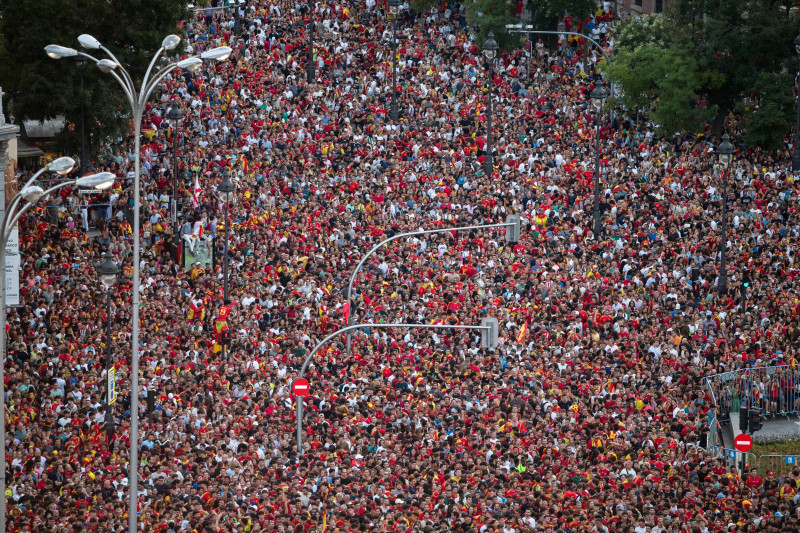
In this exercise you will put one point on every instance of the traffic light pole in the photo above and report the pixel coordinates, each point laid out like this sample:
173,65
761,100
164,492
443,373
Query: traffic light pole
512,225
489,331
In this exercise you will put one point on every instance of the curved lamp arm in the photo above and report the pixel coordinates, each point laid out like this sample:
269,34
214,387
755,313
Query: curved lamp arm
320,344
7,227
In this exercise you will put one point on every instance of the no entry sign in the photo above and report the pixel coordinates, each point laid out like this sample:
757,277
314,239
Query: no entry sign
300,387
743,443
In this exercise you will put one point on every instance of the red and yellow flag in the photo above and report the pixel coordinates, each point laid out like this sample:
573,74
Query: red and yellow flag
522,331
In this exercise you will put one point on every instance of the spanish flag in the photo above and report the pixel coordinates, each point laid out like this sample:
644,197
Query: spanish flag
793,362
522,331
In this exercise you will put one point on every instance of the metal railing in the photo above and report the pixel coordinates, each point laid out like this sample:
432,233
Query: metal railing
780,465
775,390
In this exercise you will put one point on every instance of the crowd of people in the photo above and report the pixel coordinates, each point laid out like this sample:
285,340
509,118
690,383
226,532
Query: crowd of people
589,415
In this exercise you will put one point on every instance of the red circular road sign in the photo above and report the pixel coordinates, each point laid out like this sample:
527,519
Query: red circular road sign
743,443
300,387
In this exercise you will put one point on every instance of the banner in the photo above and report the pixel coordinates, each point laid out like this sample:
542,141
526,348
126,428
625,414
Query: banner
12,268
112,386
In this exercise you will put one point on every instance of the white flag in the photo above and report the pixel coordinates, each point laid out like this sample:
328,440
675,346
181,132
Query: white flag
196,192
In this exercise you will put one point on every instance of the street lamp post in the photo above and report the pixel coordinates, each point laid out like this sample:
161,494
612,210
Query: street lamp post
310,69
137,100
725,151
108,271
488,329
226,190
598,95
30,194
490,48
175,116
796,150
81,62
512,225
394,9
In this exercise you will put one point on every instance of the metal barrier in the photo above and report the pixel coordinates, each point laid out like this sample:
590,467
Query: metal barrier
780,465
734,458
774,389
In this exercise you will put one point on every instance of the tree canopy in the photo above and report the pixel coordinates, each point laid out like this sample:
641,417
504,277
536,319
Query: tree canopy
42,88
702,60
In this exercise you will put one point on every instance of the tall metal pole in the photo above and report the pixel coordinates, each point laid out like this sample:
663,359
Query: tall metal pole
796,150
390,239
226,293
133,468
7,132
175,178
310,357
394,70
84,152
109,405
488,163
723,275
310,65
597,178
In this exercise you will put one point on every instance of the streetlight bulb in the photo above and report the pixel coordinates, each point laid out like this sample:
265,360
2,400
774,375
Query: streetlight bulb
598,94
191,64
55,51
100,181
490,47
221,53
89,42
32,193
62,165
797,44
170,42
108,271
106,65
725,150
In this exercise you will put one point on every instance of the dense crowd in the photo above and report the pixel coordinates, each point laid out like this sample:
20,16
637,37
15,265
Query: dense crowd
588,416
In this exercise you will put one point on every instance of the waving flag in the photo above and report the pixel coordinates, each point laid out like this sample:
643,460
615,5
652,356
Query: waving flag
196,192
522,331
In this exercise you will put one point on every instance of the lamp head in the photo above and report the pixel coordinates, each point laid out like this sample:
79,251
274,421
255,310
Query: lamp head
62,165
598,94
725,150
797,44
106,65
32,193
108,271
226,188
174,114
191,64
89,42
394,6
220,53
490,47
100,181
170,42
55,51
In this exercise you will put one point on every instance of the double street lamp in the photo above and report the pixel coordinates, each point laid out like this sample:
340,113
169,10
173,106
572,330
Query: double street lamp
175,116
394,9
490,48
137,100
30,194
725,152
108,272
598,96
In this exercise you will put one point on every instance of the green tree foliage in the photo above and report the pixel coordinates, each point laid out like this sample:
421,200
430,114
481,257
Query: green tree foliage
659,74
713,57
494,15
547,13
42,88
